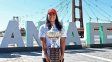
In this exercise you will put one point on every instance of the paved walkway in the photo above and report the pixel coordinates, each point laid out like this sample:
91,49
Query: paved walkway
82,55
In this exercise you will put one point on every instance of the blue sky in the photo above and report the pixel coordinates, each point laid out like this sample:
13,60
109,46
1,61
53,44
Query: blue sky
35,10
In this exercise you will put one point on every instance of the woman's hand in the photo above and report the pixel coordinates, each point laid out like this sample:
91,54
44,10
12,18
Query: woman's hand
61,57
47,58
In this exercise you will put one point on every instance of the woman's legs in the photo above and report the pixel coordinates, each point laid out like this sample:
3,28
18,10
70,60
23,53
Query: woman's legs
44,60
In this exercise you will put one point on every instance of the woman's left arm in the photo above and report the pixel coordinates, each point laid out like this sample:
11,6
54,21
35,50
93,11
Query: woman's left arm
62,46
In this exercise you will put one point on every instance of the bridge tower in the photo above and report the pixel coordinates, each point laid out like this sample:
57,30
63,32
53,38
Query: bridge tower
80,18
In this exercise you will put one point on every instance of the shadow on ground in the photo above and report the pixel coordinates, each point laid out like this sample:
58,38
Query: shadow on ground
19,54
85,50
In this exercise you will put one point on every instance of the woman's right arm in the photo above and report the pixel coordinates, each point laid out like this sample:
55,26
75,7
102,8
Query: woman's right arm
44,48
42,38
43,41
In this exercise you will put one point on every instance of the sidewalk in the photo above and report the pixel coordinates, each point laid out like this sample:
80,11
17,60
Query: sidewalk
82,55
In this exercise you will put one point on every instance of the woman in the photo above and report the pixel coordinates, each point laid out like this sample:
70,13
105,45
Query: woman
51,20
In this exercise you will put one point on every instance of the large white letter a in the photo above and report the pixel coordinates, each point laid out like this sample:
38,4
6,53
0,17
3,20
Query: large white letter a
12,28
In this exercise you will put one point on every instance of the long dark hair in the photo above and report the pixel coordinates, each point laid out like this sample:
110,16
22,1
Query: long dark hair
57,23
